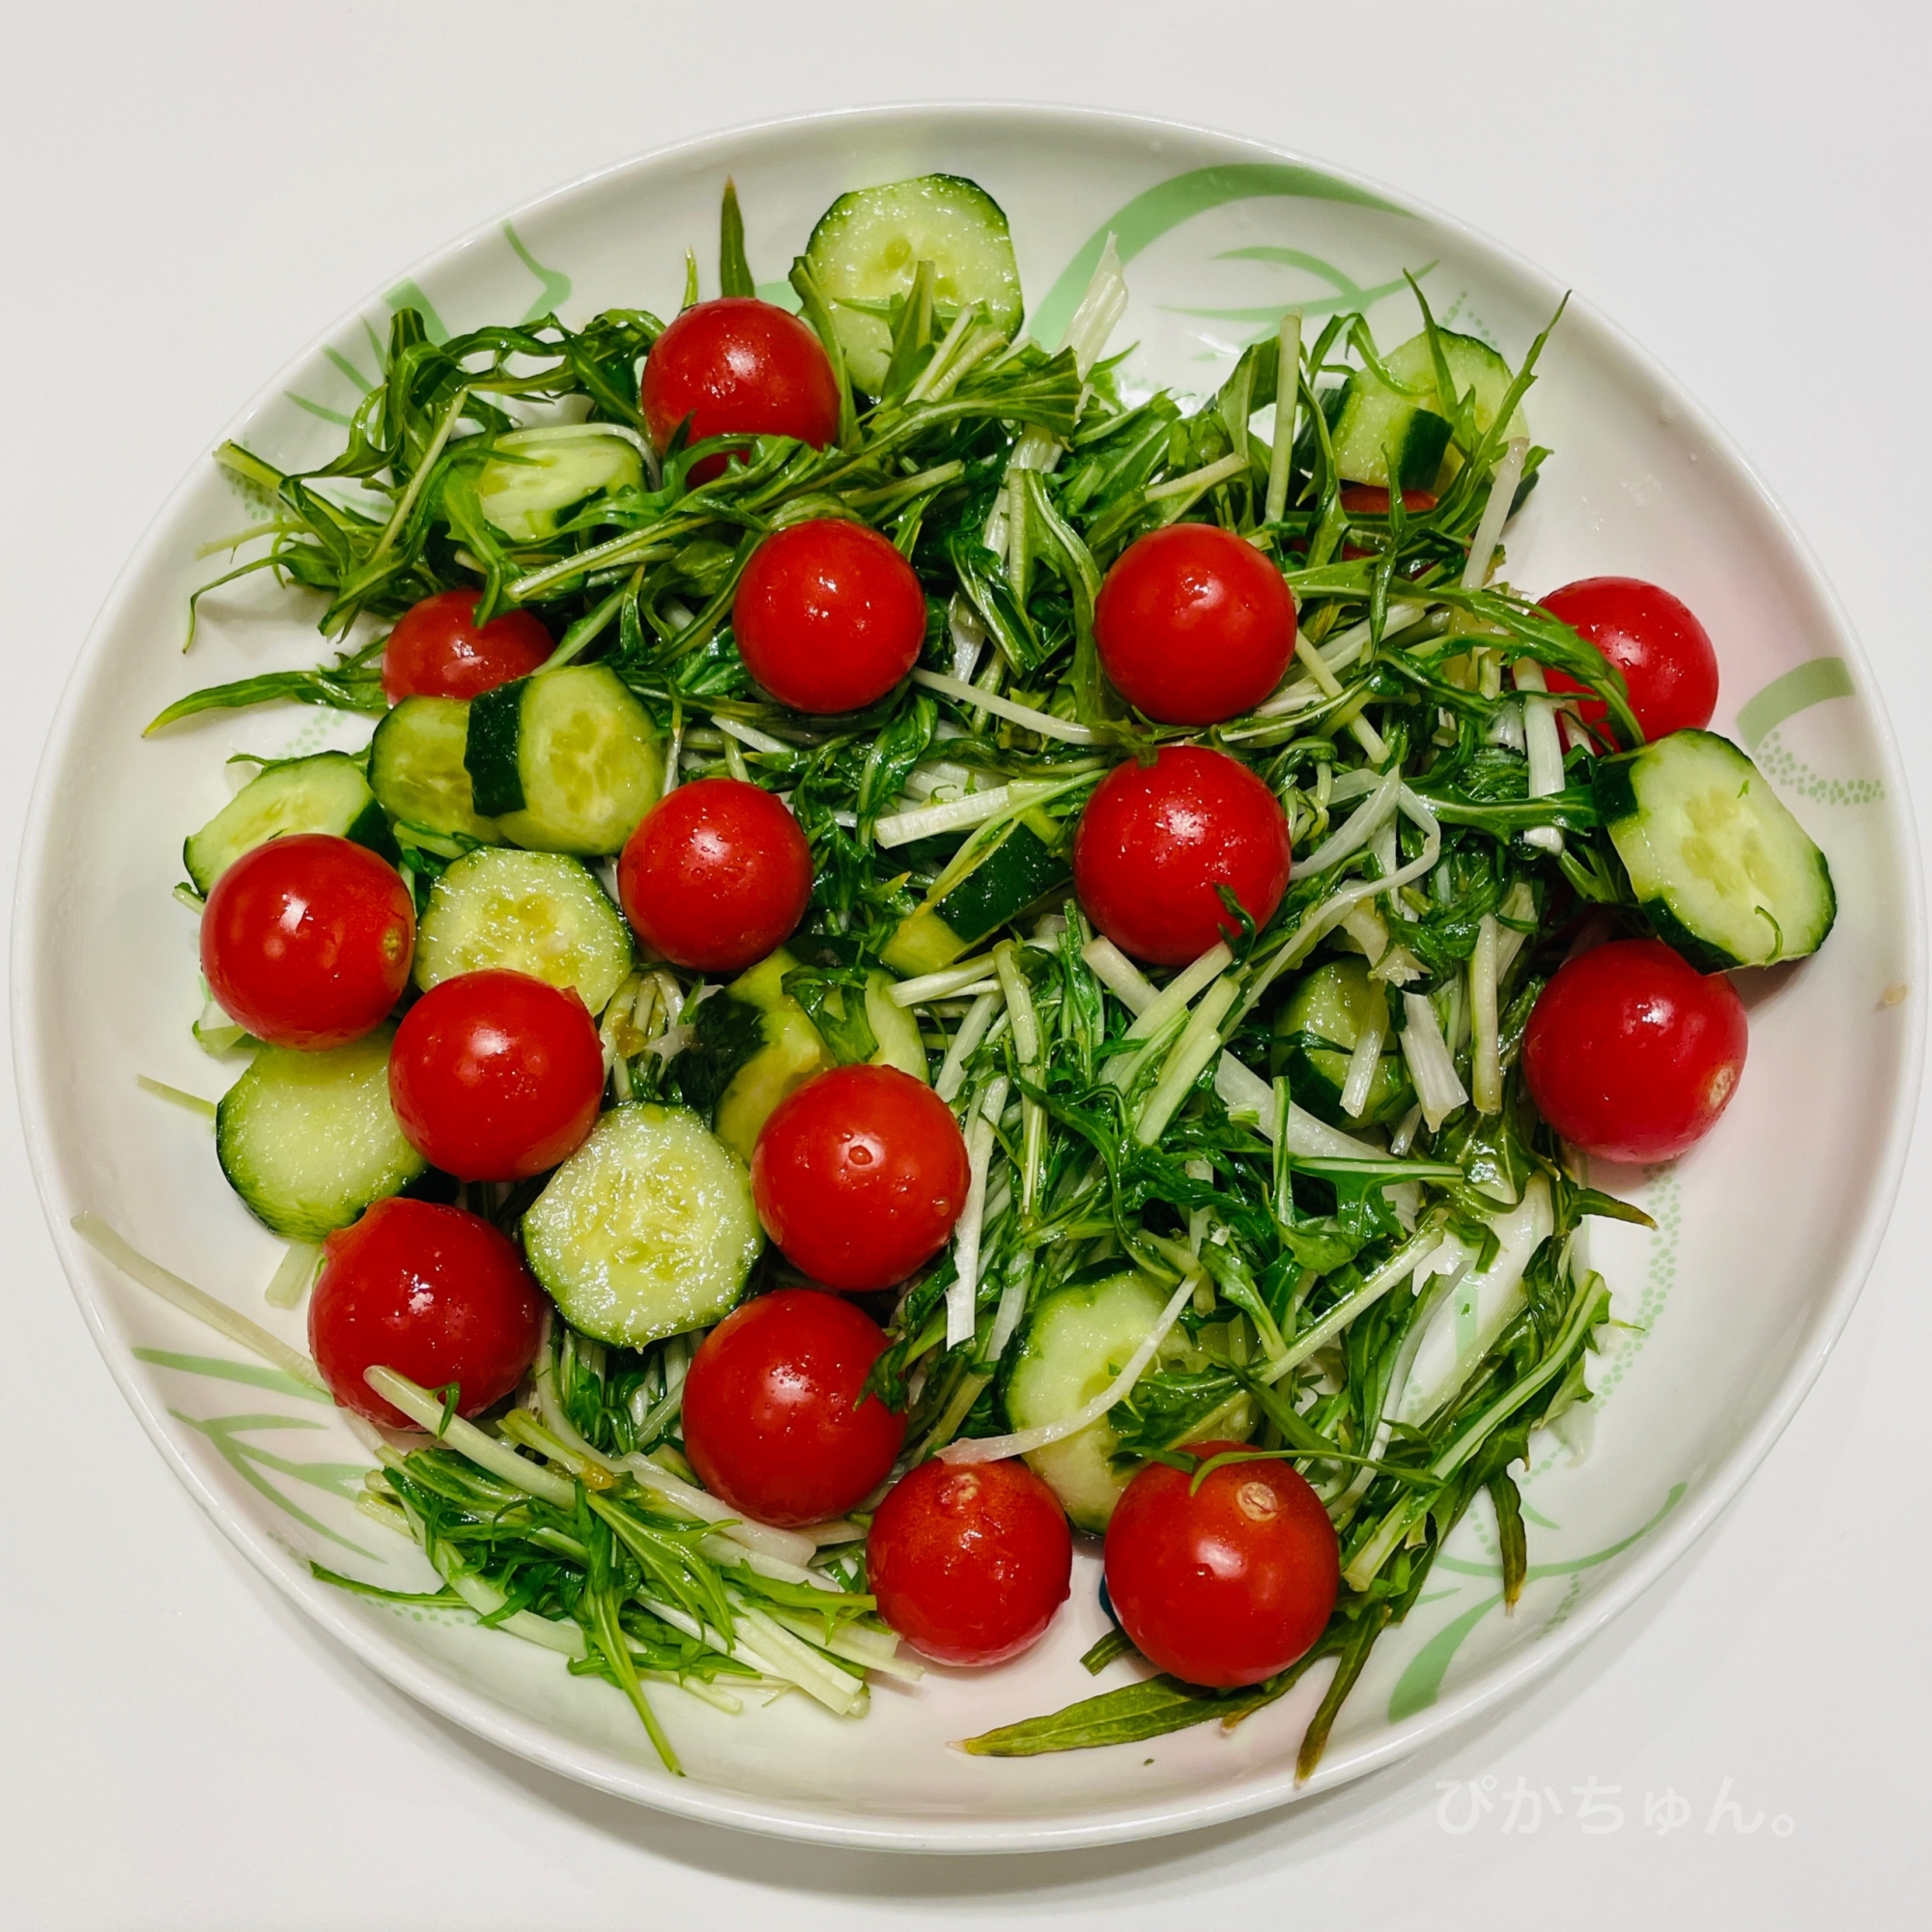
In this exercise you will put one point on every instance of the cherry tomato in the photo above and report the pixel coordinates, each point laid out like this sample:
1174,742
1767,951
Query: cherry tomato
306,941
969,1562
496,1075
435,1294
1663,652
737,365
859,1176
1193,625
777,1420
1157,839
1228,1585
716,875
827,615
436,650
1631,1054
1371,500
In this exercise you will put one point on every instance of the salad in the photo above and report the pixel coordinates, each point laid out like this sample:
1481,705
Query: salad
935,954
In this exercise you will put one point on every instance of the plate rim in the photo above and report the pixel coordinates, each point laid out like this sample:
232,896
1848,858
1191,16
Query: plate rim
526,1737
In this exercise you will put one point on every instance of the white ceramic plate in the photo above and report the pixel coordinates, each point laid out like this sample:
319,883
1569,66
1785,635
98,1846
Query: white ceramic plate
1764,1233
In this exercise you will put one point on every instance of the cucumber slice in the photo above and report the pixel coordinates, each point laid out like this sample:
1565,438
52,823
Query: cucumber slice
751,1045
647,1230
1314,1033
1722,870
540,477
534,912
568,760
417,774
868,245
1375,423
308,1140
1075,1342
1005,880
324,793
1375,431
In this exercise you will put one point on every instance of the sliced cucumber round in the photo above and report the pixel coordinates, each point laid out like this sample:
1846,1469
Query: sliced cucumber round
324,793
1075,1342
868,245
1315,1036
308,1139
1722,870
647,1230
1376,425
417,774
539,477
567,760
532,912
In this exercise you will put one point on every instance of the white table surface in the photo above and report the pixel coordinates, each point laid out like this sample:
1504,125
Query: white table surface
189,193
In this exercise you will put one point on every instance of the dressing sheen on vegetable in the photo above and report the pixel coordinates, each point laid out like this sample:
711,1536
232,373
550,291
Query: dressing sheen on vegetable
1124,930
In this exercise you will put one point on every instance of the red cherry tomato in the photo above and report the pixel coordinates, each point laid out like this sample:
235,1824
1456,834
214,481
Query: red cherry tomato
306,941
1157,839
859,1176
1371,500
1193,625
1663,652
496,1075
437,651
1226,1586
969,1562
715,876
827,615
775,1416
1631,1054
432,1293
738,365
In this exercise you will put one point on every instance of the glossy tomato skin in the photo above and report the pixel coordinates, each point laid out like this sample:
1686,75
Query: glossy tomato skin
715,876
1371,500
859,1176
1155,840
1631,1054
436,650
497,1075
970,1561
776,1418
738,365
1663,652
1193,625
1226,1586
306,941
433,1292
827,615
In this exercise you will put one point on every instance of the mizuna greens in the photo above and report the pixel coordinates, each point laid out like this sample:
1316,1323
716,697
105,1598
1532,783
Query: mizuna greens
1252,1198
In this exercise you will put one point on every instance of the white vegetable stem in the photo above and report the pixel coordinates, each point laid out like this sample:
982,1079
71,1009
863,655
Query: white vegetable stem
979,1143
1048,726
997,1448
1360,828
1242,1090
1286,397
1488,531
486,1452
1097,318
1193,1053
785,1545
198,1302
972,1030
291,1281
1437,1085
1368,1054
1486,1073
